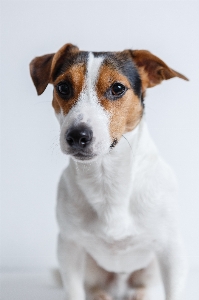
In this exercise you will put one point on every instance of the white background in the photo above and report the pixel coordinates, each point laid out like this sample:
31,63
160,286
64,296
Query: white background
31,159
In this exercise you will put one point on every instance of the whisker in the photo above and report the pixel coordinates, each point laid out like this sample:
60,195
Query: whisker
148,107
127,142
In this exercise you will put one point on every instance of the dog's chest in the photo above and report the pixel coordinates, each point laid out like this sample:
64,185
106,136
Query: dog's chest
113,249
115,241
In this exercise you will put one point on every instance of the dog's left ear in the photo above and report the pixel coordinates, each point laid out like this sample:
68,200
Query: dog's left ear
152,69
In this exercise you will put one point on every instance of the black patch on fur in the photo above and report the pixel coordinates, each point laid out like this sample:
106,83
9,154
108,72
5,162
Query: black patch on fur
69,60
123,63
142,100
114,143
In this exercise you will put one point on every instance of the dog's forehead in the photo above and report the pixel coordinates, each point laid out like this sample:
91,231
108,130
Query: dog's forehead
121,62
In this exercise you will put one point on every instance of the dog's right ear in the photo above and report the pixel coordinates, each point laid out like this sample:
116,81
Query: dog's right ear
40,69
43,68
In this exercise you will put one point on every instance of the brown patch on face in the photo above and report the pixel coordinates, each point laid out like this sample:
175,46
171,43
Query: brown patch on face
43,68
68,50
75,75
144,79
125,112
55,104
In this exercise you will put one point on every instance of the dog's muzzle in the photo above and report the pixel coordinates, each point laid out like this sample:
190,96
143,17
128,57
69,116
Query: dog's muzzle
80,137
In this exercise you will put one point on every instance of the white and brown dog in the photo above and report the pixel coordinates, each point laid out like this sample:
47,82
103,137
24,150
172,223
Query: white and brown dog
117,198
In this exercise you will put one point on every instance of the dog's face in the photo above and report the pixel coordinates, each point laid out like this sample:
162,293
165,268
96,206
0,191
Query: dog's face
98,96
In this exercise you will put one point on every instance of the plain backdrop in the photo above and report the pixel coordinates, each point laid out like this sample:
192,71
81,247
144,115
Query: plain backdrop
31,159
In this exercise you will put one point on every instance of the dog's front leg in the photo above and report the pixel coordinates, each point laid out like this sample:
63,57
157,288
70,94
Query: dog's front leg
173,267
71,260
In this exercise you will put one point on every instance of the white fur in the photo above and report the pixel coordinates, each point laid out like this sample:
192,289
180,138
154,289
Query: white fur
120,209
89,111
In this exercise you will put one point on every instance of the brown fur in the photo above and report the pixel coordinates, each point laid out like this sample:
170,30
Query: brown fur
152,69
67,51
126,112
76,75
40,71
43,68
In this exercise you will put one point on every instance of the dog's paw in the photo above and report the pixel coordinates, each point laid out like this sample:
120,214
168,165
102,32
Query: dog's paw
138,294
101,295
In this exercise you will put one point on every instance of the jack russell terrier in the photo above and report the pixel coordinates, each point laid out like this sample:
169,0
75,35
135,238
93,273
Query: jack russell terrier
116,207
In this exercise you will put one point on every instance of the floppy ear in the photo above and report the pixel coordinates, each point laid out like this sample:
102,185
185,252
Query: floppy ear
152,70
42,68
65,52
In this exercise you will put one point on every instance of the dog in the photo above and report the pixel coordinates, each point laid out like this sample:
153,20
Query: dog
116,208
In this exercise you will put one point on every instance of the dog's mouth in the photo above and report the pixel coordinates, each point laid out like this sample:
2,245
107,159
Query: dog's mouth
88,156
83,156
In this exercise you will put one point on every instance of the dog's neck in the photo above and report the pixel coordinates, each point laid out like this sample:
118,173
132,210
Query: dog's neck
108,182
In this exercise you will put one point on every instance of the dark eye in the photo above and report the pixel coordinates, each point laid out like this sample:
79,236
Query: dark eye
64,89
117,89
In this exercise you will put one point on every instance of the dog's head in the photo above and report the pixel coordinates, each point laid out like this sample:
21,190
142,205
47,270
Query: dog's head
98,96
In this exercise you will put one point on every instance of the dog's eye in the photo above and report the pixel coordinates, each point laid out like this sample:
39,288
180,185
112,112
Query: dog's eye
64,89
117,89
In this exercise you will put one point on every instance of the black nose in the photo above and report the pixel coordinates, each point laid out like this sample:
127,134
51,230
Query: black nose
79,137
